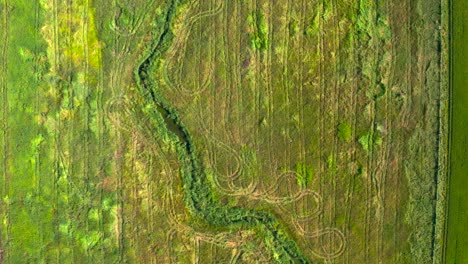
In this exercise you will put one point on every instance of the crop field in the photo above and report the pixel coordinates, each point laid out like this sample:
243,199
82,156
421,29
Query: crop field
220,131
457,224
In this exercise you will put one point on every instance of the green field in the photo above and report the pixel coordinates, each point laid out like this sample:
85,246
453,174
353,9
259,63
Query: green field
457,224
218,131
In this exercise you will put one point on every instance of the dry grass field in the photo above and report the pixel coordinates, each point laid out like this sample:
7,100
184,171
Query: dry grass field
216,131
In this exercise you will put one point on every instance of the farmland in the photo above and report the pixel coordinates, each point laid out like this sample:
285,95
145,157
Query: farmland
250,131
457,229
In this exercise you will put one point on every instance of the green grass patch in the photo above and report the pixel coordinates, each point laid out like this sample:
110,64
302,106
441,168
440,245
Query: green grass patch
457,226
369,141
344,132
259,31
304,174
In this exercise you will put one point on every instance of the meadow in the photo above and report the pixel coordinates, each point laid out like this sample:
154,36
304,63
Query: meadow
457,208
250,131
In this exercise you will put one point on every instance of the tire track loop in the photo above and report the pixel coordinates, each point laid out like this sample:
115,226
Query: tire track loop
214,142
307,214
180,45
279,201
327,257
137,23
231,190
250,190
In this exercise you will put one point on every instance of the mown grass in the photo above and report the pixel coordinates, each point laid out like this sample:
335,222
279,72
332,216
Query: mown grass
457,225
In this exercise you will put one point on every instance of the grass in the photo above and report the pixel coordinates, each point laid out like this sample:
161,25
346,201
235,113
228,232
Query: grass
304,175
457,227
22,175
370,141
252,131
258,36
49,102
344,132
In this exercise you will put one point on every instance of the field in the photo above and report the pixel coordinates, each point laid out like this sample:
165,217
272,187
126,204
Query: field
457,224
250,131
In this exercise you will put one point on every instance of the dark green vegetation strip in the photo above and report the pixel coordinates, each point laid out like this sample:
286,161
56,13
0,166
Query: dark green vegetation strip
457,229
197,193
